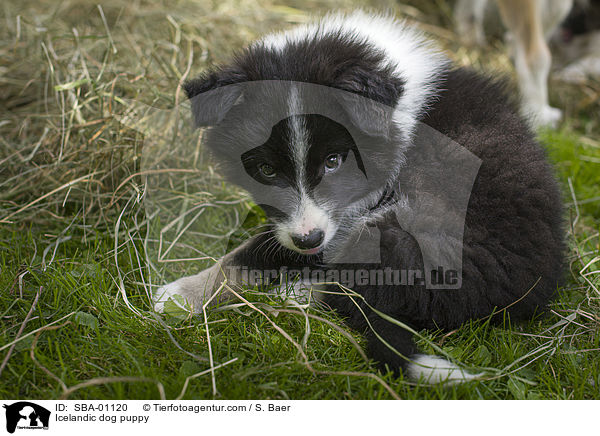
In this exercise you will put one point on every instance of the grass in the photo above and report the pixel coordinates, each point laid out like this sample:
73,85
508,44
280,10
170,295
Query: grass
78,252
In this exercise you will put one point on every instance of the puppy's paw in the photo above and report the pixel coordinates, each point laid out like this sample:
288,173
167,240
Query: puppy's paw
171,291
192,292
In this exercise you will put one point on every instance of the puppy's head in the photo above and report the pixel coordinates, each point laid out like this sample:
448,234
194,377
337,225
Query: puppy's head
308,131
306,176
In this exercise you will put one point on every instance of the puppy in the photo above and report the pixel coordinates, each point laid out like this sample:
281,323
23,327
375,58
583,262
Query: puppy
370,152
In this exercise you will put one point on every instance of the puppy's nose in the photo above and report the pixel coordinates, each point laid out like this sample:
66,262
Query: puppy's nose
311,240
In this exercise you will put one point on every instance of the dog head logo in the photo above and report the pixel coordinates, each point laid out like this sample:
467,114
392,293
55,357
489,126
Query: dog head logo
26,415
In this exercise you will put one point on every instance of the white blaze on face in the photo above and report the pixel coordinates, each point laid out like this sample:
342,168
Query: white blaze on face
307,215
298,135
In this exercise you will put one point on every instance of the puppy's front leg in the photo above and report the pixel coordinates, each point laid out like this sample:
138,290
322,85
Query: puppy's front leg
261,253
198,289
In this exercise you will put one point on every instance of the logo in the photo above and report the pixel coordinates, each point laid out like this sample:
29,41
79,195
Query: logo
26,415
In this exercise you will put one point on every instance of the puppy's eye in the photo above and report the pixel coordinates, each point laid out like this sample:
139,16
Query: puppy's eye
333,162
267,171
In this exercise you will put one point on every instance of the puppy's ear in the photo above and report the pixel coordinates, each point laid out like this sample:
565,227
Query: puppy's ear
370,98
212,95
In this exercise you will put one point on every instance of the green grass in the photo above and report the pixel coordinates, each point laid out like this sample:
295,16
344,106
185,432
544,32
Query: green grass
74,270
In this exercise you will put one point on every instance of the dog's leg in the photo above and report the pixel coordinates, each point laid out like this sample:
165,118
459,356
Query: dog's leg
256,255
468,16
554,13
390,344
197,289
532,57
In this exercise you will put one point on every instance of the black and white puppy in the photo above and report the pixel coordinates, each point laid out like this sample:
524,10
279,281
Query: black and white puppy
326,178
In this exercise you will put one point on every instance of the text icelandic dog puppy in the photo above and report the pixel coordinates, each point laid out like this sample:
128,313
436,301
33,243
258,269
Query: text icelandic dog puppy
369,152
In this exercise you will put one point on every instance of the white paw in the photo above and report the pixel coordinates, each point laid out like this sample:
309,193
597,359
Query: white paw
190,293
163,294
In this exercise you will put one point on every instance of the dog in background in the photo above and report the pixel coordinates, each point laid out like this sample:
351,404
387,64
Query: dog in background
576,47
530,25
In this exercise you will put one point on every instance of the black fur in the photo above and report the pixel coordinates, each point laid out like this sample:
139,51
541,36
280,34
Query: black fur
336,60
513,254
513,247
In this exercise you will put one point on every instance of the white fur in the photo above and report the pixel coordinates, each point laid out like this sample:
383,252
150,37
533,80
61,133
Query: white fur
578,71
298,133
469,16
164,293
434,369
408,52
194,290
308,216
299,291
